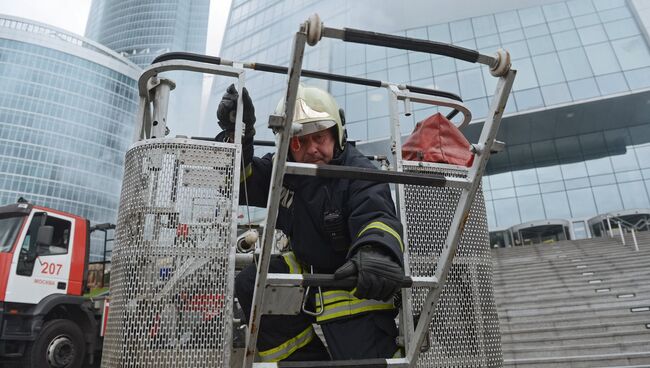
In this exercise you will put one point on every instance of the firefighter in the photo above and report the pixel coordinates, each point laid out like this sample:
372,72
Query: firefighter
337,226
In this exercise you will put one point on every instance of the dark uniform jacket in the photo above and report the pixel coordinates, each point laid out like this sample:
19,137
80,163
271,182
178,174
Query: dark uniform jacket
327,219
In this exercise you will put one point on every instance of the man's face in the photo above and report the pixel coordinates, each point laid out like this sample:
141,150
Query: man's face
315,148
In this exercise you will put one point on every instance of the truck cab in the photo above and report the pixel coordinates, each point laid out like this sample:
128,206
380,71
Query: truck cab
44,319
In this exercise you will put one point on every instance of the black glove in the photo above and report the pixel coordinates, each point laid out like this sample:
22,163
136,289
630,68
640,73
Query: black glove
228,107
378,274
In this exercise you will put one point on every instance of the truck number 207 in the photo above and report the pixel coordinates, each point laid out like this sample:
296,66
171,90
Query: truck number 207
51,268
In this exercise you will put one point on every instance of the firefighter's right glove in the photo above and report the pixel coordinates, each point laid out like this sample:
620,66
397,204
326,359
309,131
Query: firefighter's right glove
227,110
378,274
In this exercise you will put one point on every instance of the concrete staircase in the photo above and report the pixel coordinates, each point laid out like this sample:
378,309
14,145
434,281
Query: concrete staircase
582,303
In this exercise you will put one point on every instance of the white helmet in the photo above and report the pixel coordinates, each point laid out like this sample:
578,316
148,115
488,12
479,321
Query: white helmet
316,110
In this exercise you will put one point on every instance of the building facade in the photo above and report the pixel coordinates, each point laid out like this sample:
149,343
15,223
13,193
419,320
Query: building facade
577,125
143,29
67,112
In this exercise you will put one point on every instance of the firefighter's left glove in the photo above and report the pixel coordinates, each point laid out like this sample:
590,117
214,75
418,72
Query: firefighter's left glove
227,110
378,274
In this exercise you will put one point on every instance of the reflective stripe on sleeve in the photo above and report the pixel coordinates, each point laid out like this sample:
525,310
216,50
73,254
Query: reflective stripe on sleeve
382,226
294,266
287,348
343,303
248,171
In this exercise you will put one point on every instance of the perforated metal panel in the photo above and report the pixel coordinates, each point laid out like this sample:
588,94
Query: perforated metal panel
465,327
173,263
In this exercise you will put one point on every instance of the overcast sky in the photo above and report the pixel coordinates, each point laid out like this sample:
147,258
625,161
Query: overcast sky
71,15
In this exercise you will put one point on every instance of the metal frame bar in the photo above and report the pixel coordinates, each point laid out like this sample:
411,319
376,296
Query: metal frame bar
277,176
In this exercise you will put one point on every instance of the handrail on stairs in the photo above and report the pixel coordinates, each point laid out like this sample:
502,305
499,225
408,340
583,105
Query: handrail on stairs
623,226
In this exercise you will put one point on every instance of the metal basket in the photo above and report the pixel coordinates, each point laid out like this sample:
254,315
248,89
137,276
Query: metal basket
465,328
173,263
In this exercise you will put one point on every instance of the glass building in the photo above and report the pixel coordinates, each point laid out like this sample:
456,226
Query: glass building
144,29
577,125
67,112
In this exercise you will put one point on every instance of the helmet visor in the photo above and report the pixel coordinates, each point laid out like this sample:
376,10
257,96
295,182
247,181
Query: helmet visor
312,121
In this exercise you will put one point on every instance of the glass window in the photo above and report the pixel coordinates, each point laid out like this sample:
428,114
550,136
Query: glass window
357,131
503,193
574,170
440,33
377,103
634,195
355,107
602,58
525,76
506,212
639,78
461,30
615,14
566,40
561,25
593,145
531,16
592,34
599,166
580,7
607,198
471,84
511,36
576,183
626,176
556,94
581,202
583,89
531,208
602,179
541,45
529,99
421,70
621,28
527,190
555,11
484,25
443,66
575,64
490,41
399,74
544,153
643,154
507,21
448,83
517,50
501,180
611,83
555,205
479,107
632,52
524,177
535,31
586,20
548,69
379,128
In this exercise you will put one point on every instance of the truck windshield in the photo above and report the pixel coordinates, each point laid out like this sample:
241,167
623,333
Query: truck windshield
9,227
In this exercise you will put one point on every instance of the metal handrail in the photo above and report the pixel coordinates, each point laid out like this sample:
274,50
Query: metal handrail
623,225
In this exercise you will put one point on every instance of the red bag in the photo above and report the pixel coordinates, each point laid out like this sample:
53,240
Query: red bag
436,139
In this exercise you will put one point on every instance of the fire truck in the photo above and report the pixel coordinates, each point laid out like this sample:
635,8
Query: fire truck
45,320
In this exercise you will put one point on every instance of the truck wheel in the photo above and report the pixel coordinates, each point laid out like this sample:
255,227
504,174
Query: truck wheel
59,345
